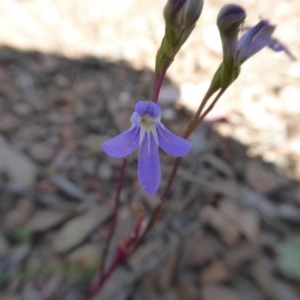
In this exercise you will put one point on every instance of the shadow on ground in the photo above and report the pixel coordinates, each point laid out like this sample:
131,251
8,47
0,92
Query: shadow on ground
230,231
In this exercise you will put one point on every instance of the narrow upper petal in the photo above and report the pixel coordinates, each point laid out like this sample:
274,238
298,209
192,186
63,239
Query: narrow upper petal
123,144
278,47
171,143
255,39
149,165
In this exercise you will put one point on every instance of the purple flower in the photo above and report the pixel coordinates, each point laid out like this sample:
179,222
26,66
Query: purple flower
256,38
148,132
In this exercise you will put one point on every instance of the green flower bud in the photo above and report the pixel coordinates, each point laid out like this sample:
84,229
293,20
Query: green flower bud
229,21
180,19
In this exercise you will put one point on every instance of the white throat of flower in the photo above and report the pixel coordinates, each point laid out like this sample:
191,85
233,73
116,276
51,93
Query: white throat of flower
148,127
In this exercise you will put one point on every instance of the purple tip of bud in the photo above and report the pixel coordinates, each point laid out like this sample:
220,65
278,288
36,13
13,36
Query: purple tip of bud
177,4
231,16
193,11
186,11
172,8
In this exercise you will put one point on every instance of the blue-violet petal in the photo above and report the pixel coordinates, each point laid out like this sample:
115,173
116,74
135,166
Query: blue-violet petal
149,165
142,108
123,144
171,143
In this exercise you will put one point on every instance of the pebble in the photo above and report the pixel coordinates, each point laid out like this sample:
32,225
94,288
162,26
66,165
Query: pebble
88,166
93,143
105,171
8,123
42,152
22,109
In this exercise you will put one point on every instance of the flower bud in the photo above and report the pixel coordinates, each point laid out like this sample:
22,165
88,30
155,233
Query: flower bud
182,13
192,12
180,19
229,20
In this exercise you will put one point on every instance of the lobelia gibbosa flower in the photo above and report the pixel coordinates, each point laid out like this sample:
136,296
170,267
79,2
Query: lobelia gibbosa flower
148,132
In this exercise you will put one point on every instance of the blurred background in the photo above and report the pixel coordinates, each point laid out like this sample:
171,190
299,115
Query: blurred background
70,73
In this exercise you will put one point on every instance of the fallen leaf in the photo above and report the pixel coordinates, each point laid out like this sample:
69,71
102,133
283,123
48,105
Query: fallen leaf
19,215
265,280
200,250
218,292
21,170
228,233
262,179
77,229
44,219
216,272
85,257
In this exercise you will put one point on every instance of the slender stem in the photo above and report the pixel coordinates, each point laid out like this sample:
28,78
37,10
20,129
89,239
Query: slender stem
194,121
114,217
211,106
159,78
102,279
121,255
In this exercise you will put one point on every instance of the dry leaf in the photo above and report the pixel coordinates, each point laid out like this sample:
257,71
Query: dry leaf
77,229
218,292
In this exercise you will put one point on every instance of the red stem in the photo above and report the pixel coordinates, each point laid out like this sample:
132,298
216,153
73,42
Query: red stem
114,217
158,81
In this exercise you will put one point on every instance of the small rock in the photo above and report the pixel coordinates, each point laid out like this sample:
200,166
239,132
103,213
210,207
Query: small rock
88,166
42,152
22,109
169,93
8,123
93,143
105,171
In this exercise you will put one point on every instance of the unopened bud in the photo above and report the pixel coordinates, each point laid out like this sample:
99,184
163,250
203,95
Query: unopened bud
230,18
192,12
182,12
180,18
229,21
